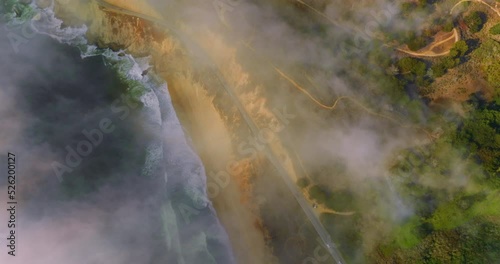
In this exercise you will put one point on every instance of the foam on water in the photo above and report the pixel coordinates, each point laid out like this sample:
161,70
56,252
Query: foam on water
45,22
182,168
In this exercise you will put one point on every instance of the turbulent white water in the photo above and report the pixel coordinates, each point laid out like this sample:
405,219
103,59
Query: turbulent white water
188,216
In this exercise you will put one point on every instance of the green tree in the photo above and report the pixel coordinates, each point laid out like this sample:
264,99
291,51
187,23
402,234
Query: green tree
318,194
453,59
438,69
412,65
407,8
448,27
341,201
459,49
303,182
481,133
416,43
475,21
426,2
450,62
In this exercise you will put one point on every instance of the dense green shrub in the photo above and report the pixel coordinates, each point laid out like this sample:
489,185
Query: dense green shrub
303,182
475,21
438,69
412,65
495,30
318,194
417,43
448,27
340,201
459,49
481,133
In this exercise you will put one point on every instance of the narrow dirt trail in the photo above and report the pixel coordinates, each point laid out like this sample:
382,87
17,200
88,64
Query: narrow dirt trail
320,209
494,9
428,50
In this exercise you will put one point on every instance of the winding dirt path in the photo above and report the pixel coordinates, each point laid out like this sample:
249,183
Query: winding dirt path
494,9
320,208
428,50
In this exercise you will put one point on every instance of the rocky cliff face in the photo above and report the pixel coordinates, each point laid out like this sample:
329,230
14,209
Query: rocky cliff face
212,125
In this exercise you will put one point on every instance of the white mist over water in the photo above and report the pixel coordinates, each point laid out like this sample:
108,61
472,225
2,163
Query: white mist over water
170,160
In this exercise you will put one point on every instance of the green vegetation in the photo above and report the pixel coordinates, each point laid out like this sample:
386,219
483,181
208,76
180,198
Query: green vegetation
407,8
413,70
421,6
412,65
345,234
14,9
417,42
489,57
318,194
134,89
342,200
475,21
481,133
451,183
459,49
439,69
449,216
407,236
426,2
424,174
475,242
448,221
452,224
493,74
448,26
303,182
457,53
495,30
